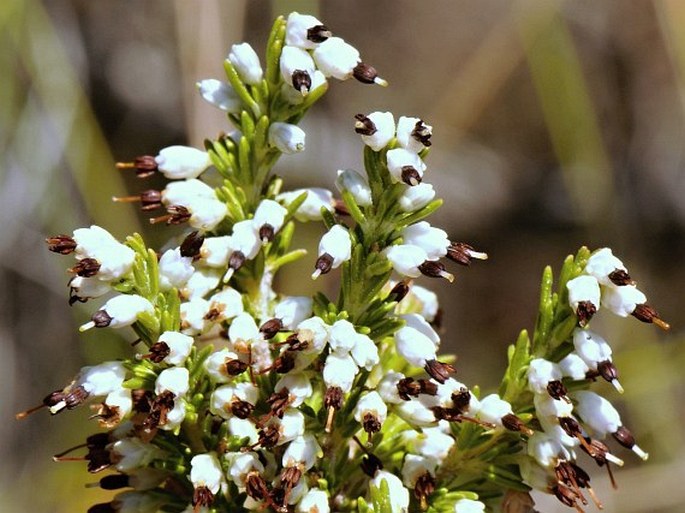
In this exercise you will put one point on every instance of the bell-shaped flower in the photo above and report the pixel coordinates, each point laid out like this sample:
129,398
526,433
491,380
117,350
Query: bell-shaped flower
596,353
416,197
178,162
241,465
415,467
120,311
299,386
387,387
406,259
178,347
356,184
216,250
310,210
268,219
336,58
339,371
574,367
223,365
341,336
82,288
433,241
243,332
102,379
376,130
206,472
286,137
184,192
415,413
304,31
413,134
175,380
236,399
225,305
174,270
622,301
246,62
297,68
583,297
365,352
405,166
540,373
302,453
314,501
294,96
220,94
292,310
371,411
607,269
469,506
335,248
133,453
434,443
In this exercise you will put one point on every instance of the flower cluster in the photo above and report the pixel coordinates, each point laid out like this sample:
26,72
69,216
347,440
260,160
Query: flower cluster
241,397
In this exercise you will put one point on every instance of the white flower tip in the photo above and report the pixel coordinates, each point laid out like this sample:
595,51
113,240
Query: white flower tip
617,386
87,326
380,81
316,274
642,454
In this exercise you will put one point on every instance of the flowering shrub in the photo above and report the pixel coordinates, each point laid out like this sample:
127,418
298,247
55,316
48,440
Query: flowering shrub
240,397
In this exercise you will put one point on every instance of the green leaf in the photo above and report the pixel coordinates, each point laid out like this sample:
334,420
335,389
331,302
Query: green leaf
274,47
519,357
545,314
240,89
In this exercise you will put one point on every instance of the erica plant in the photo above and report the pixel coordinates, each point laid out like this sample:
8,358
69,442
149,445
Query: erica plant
239,397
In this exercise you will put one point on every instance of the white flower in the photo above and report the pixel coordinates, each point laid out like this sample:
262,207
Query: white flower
415,413
433,443
356,184
268,219
114,259
174,380
216,250
220,94
405,166
583,297
304,31
414,467
433,241
336,58
342,336
413,134
245,239
399,495
119,401
294,96
287,138
376,130
387,387
302,453
177,162
540,373
242,464
89,240
310,209
314,331
246,62
179,347
297,68
193,316
428,300
416,197
223,397
84,288
314,501
415,346
174,270
493,408
406,259
299,387
574,367
243,332
205,472
120,311
102,379
546,406
622,301
133,453
225,305
185,192
364,352
469,506
335,248
535,476
137,502
596,354
339,371
602,264
206,213
243,428
290,426
371,404
175,416
293,310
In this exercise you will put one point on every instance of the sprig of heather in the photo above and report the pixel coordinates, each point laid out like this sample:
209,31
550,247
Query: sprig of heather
243,398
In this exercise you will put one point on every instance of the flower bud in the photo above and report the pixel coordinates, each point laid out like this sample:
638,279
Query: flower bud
286,137
178,162
336,58
377,129
246,62
356,184
220,94
416,197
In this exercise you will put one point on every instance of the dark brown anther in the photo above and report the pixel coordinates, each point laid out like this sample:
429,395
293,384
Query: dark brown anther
101,319
367,74
114,482
318,33
408,388
295,344
557,390
371,464
585,311
103,507
266,233
86,268
427,387
291,476
62,244
434,269
236,260
158,351
279,401
144,165
364,125
176,214
422,133
646,313
302,81
462,400
439,371
284,363
271,328
202,496
410,175
620,278
513,423
75,397
567,497
255,486
268,436
142,399
98,459
464,254
149,200
607,370
323,265
571,427
424,487
108,416
242,409
399,291
235,367
191,245
624,437
332,401
371,423
160,406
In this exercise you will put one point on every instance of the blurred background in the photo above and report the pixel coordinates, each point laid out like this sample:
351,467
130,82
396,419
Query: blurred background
557,124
